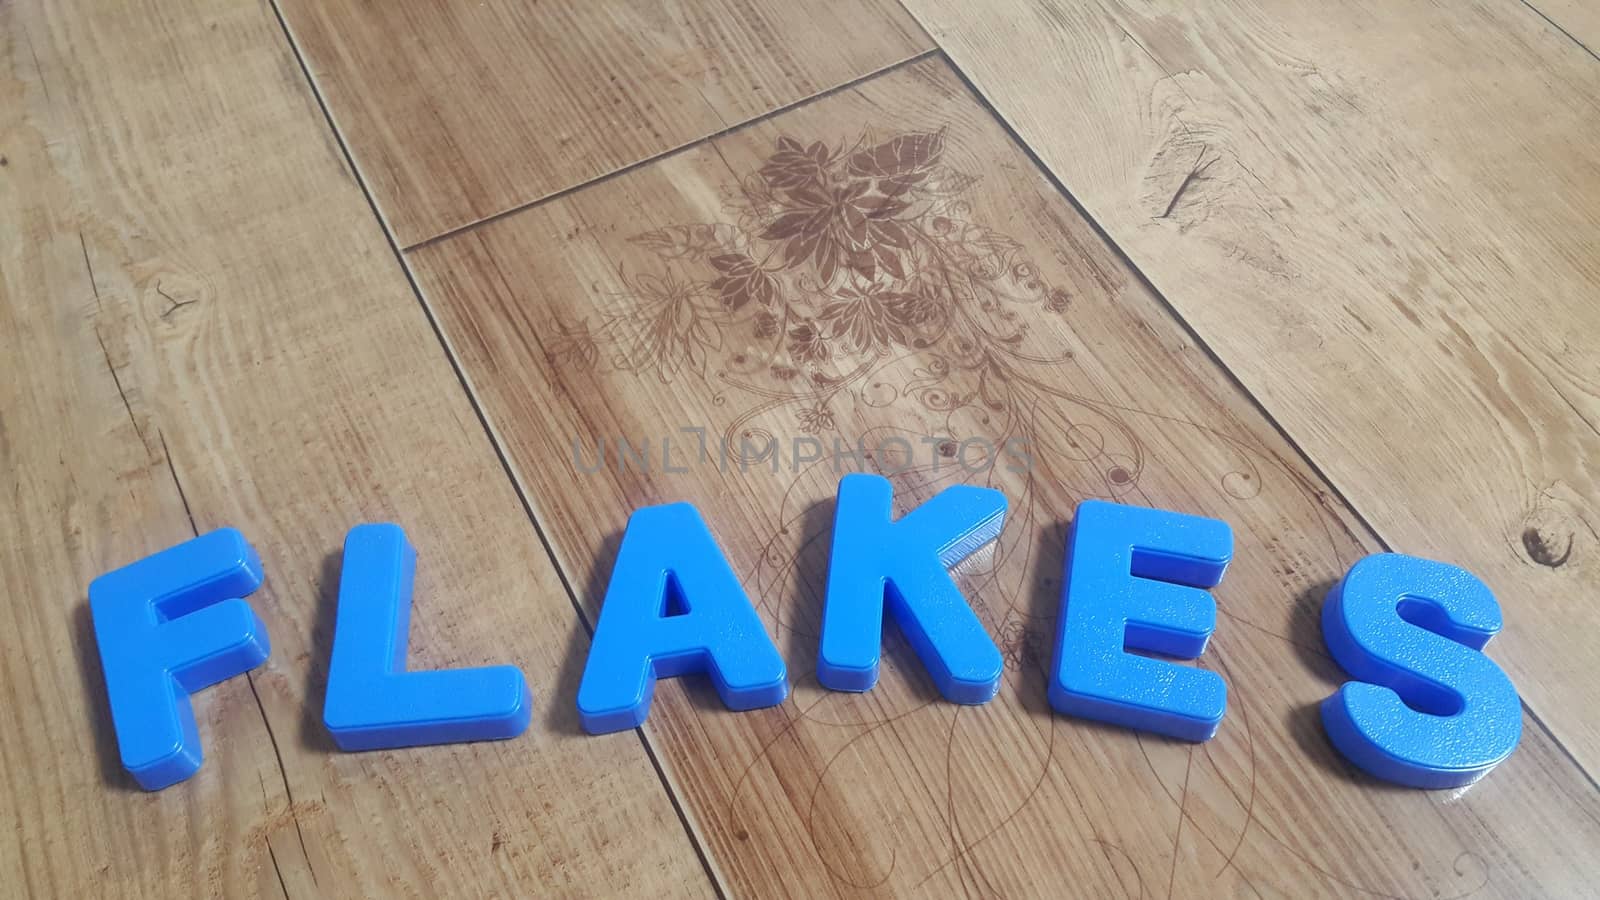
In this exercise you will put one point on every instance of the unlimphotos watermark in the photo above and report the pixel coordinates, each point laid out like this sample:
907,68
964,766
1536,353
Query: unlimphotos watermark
758,450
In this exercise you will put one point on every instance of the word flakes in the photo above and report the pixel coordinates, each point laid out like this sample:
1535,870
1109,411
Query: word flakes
1426,708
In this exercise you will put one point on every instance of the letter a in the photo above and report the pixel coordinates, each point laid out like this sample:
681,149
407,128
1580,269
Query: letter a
674,607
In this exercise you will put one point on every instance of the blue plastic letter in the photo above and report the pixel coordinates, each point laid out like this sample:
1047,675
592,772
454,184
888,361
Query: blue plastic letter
904,563
674,607
1429,710
1134,581
372,702
169,625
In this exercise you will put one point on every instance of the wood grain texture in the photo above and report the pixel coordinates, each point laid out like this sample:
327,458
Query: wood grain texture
202,324
885,266
1382,218
1578,18
456,111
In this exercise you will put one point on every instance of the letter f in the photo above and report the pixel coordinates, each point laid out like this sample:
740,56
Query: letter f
167,626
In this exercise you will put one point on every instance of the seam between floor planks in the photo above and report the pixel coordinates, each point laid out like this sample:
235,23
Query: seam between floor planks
1238,385
665,154
111,217
695,840
1033,157
1046,172
1033,119
1553,24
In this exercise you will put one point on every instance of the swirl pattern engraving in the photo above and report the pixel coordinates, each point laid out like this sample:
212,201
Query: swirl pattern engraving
849,291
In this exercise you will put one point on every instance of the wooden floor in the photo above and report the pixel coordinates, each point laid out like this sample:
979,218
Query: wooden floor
1327,271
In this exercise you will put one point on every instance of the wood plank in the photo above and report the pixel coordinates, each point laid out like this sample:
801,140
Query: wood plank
1579,19
651,303
1382,217
203,325
458,111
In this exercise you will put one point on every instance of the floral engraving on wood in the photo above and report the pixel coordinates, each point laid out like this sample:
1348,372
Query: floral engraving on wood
837,260
848,291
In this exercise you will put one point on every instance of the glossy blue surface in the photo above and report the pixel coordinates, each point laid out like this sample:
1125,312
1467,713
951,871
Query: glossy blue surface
878,562
674,607
167,626
1134,581
1428,710
372,701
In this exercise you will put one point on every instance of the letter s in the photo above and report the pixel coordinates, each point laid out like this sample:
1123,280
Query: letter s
1428,709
